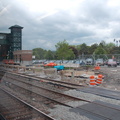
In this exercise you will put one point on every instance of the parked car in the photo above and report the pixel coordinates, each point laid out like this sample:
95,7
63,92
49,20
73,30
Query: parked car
65,61
80,62
99,62
112,62
58,61
36,62
89,61
118,62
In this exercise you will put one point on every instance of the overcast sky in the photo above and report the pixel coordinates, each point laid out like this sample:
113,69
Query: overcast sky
46,22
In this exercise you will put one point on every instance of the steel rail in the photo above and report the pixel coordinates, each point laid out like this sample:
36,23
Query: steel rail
46,79
71,97
49,90
100,105
95,114
2,117
49,81
30,106
79,98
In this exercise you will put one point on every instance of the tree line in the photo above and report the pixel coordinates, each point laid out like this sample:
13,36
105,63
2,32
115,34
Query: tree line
69,52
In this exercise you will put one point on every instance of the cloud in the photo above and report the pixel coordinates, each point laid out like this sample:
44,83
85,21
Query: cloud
78,21
46,15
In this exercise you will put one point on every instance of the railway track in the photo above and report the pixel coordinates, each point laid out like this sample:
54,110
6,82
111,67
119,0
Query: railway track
49,81
27,88
14,108
95,110
92,109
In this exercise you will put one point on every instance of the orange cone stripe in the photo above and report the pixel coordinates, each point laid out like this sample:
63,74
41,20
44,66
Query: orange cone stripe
99,81
92,82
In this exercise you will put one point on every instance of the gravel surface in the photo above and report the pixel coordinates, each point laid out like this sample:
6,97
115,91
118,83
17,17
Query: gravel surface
91,97
63,113
112,77
111,81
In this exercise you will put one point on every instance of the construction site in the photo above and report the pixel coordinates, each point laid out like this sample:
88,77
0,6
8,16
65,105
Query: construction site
55,90
44,93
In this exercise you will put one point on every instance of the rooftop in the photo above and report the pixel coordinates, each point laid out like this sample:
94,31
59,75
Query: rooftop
15,26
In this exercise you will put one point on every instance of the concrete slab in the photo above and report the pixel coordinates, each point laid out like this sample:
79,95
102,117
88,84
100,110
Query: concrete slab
98,111
102,92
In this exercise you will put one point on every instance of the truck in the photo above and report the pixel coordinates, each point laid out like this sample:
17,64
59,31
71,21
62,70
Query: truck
111,62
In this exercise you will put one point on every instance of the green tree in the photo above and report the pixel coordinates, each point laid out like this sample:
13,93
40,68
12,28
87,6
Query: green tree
92,48
63,51
75,51
82,49
110,47
39,53
115,50
102,44
49,55
100,51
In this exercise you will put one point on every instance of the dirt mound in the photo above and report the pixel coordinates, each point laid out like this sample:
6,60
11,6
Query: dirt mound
111,77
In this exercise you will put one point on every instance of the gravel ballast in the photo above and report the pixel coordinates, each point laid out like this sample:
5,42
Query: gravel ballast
64,113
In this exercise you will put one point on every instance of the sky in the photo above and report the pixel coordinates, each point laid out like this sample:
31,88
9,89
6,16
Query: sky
47,22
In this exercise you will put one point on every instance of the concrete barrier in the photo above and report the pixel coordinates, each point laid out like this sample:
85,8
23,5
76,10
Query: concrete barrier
50,72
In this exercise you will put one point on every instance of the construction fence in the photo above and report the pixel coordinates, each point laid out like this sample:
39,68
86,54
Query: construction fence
103,56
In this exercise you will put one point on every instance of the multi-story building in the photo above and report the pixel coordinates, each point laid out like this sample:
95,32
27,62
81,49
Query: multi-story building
10,42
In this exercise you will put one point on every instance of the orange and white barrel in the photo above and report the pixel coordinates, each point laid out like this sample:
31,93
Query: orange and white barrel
92,80
97,67
99,79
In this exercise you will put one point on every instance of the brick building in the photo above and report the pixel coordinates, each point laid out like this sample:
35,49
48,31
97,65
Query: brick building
24,57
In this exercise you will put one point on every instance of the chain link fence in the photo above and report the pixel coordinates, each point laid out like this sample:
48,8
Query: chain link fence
102,56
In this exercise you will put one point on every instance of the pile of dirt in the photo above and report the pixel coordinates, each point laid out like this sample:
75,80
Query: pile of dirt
111,77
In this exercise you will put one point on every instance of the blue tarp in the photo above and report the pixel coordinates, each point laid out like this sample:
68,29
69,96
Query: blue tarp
59,67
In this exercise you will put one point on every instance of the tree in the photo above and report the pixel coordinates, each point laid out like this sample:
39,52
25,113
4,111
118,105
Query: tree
115,50
49,55
102,44
100,51
110,47
63,51
83,49
39,53
75,51
92,48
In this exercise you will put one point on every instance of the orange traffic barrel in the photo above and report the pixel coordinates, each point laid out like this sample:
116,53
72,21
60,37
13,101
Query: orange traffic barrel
99,79
97,67
92,80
